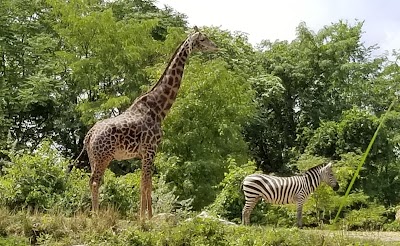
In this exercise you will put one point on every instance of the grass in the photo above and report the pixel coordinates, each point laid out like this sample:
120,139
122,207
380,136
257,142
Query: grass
109,228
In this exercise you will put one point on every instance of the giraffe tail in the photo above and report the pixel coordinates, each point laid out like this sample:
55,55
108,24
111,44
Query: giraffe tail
71,166
85,144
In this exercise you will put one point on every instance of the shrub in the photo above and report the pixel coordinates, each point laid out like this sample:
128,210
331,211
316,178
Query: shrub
77,193
38,180
34,180
230,201
369,218
165,200
121,192
393,226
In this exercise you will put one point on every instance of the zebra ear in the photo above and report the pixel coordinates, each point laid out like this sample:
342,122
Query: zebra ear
329,164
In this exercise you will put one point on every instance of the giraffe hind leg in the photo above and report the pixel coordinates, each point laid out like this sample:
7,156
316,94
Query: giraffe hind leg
94,183
94,188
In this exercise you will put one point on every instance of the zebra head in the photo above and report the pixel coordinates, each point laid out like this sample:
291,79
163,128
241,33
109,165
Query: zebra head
328,176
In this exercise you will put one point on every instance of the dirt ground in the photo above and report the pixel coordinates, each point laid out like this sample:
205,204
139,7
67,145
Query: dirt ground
384,236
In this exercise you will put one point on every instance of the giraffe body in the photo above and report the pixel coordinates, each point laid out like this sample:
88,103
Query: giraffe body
136,133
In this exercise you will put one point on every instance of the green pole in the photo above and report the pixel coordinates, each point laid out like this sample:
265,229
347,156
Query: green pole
363,159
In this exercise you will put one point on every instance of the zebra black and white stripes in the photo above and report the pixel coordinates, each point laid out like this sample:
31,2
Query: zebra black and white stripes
284,190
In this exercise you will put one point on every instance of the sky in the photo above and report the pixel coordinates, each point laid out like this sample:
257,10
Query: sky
277,20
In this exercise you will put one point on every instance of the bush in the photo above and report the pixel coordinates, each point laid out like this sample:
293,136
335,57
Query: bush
165,200
77,193
195,180
34,180
393,226
38,180
370,218
121,192
325,139
230,201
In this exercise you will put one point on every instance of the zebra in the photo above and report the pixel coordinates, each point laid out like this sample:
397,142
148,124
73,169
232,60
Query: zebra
285,190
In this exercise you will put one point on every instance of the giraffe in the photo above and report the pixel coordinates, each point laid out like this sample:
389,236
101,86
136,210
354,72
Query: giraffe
136,133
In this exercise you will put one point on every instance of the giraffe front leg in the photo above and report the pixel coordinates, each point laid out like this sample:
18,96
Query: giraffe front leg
143,196
149,200
299,215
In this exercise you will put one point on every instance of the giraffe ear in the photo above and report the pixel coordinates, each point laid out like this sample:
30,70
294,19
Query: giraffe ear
196,29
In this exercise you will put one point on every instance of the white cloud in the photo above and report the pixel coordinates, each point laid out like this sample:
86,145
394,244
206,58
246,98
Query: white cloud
272,20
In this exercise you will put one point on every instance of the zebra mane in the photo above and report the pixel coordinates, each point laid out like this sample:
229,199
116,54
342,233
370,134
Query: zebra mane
316,168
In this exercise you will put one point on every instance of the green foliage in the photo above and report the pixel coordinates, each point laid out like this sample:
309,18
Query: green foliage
356,129
359,211
284,105
325,140
108,230
310,80
222,97
165,200
121,192
76,196
39,181
352,135
194,148
16,241
393,226
371,218
193,179
230,201
34,180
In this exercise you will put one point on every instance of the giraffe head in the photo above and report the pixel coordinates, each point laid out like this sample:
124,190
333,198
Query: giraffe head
201,42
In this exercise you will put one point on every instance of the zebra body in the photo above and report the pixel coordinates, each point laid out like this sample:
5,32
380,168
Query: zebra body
285,190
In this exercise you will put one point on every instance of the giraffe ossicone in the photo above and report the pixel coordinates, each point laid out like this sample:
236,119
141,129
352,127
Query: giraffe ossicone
136,133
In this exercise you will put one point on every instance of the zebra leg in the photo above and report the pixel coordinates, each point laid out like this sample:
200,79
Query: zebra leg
299,215
247,209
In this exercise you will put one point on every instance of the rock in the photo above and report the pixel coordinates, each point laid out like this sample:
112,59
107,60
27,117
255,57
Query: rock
205,215
167,217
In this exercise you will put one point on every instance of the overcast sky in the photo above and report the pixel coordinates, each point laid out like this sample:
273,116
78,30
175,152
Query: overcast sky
263,19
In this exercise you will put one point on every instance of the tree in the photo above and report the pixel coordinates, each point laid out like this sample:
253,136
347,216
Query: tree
203,129
317,76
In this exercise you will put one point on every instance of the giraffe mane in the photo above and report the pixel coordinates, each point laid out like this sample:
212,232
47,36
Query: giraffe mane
162,76
166,68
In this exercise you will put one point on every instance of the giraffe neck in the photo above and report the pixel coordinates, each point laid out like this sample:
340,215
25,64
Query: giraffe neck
162,95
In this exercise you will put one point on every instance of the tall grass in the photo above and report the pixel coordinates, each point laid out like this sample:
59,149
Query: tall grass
110,228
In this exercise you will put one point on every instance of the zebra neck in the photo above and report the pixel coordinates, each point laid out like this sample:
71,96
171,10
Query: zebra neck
313,180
